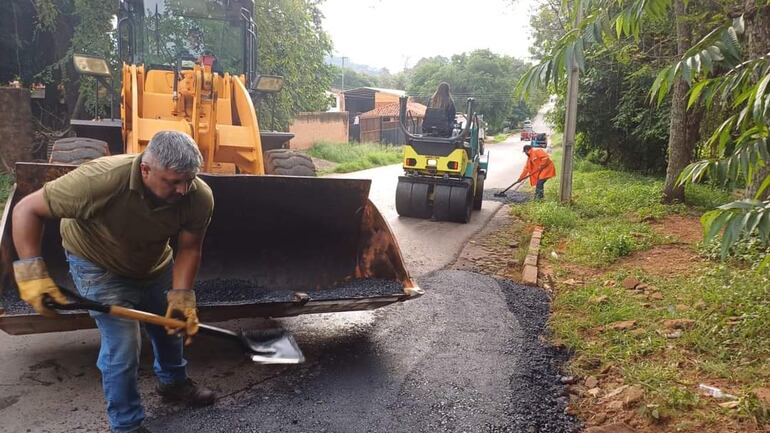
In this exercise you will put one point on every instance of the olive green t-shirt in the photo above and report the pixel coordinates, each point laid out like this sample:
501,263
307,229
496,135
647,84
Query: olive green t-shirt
108,219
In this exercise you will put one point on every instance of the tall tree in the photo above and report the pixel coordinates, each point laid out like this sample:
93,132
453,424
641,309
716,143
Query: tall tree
758,35
680,146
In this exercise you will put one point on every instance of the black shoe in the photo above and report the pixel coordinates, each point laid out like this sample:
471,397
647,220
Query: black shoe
187,392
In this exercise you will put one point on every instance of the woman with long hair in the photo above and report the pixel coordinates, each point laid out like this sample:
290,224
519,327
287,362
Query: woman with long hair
443,100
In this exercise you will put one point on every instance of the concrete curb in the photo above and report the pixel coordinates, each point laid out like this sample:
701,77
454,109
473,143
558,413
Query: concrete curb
529,274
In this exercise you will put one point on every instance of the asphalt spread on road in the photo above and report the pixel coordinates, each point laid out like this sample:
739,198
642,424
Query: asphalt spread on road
466,357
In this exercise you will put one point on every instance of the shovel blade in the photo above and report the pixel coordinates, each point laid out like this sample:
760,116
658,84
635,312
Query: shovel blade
275,348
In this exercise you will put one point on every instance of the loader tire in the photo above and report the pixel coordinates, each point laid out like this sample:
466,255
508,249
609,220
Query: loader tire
285,162
77,150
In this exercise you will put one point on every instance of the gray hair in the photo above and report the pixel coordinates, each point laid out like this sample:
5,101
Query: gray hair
175,151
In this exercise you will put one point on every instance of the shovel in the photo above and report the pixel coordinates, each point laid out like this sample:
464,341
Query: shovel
502,193
272,346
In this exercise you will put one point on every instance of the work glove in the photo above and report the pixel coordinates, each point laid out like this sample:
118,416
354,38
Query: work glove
34,282
181,305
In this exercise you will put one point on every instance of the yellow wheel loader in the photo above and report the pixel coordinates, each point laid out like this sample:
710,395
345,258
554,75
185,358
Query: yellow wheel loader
281,242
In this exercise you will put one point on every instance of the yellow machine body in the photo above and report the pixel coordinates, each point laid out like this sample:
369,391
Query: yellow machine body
215,110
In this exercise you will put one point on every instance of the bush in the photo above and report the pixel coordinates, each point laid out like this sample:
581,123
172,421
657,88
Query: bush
603,241
550,215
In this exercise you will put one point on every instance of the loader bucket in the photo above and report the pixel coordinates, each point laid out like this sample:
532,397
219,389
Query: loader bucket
276,246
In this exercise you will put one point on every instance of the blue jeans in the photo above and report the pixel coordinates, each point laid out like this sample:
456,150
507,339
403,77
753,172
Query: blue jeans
540,189
120,338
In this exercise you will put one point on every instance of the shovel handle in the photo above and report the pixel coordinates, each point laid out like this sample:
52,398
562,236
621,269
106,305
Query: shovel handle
81,303
143,316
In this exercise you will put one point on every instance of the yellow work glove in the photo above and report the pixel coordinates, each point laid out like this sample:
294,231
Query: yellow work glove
33,281
181,305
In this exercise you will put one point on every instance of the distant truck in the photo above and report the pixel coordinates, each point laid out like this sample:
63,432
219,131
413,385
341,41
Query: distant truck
526,131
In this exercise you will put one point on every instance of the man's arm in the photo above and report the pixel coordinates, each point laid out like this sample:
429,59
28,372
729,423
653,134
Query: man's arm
188,258
28,218
181,298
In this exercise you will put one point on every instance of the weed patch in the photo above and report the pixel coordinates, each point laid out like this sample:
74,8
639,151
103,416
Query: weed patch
354,156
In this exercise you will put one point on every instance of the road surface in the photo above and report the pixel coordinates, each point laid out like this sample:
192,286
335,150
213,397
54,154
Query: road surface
443,361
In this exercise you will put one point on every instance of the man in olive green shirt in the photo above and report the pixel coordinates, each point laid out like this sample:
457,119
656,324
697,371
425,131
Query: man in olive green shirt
118,214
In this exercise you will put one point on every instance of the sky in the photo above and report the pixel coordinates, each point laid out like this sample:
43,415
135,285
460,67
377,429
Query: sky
395,33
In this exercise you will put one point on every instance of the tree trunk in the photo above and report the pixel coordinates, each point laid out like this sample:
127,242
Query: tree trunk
758,33
680,146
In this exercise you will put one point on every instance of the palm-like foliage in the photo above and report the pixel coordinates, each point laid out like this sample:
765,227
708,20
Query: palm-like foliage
718,74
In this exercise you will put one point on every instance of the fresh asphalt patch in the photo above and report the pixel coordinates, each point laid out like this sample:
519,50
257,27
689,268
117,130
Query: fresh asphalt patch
510,197
466,357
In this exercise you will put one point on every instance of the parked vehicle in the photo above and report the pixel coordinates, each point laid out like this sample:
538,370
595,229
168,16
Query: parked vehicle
539,140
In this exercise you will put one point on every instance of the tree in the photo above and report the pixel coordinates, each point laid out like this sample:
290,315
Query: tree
292,44
616,124
718,73
353,79
481,74
680,146
41,36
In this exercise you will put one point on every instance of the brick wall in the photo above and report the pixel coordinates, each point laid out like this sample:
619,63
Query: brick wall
16,127
309,128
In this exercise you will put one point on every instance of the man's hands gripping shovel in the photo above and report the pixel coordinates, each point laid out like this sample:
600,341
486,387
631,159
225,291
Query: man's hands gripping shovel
272,346
35,283
181,305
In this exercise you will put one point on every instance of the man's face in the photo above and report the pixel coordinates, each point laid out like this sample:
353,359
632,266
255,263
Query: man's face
166,184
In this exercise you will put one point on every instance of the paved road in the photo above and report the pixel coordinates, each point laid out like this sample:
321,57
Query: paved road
362,361
425,243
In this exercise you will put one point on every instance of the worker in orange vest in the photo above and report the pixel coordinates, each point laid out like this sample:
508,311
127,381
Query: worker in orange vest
539,168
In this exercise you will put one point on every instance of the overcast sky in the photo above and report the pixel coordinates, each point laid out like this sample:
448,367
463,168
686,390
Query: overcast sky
392,33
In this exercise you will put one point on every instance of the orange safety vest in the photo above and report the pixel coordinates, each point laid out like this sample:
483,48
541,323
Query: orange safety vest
539,165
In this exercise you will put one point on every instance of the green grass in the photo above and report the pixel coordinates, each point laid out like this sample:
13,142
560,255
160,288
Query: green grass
356,156
497,138
6,182
728,344
607,219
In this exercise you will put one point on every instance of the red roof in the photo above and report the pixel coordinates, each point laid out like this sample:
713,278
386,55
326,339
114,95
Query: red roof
391,110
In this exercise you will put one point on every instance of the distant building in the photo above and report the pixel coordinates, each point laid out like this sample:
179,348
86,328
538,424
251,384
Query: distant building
381,124
337,101
363,99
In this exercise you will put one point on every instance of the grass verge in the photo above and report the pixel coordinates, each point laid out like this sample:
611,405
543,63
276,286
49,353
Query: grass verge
356,156
693,320
498,138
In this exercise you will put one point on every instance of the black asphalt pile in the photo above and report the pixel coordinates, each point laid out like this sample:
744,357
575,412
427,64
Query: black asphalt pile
538,398
510,196
12,303
238,291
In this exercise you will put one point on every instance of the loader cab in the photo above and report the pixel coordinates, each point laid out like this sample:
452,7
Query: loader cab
173,34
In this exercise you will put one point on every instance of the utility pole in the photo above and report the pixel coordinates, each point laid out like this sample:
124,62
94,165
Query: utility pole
343,73
565,190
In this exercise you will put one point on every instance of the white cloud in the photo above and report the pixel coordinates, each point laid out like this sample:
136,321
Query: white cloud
395,33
